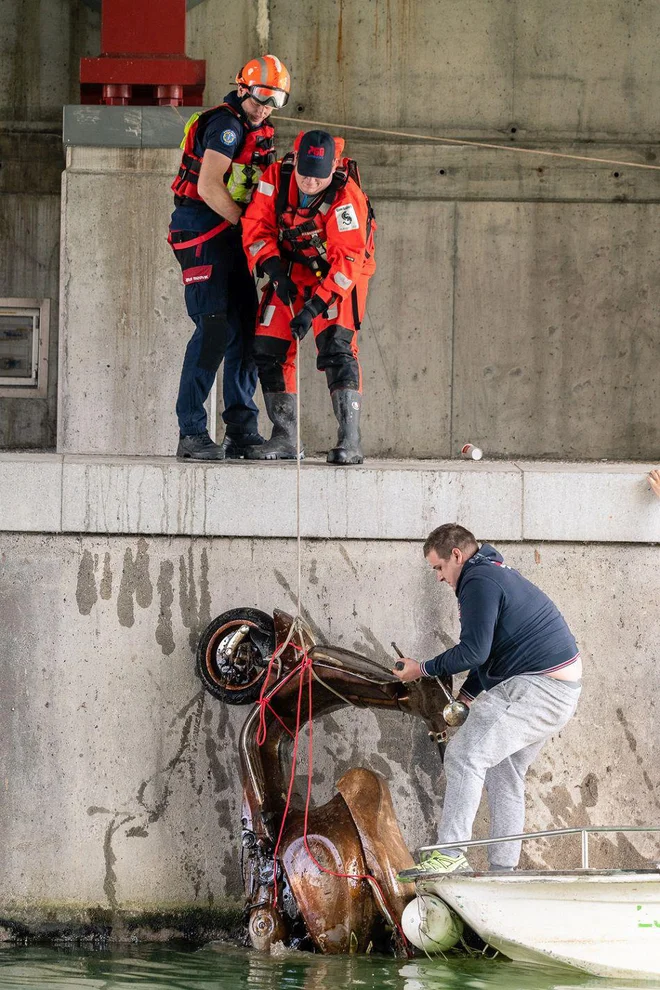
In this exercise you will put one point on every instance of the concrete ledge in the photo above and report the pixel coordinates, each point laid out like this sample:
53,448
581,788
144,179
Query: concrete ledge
594,502
434,171
31,493
382,500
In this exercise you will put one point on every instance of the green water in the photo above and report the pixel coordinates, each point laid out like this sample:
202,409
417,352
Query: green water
219,967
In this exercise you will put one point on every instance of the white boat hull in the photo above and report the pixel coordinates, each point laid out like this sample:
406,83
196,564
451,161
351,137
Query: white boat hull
606,923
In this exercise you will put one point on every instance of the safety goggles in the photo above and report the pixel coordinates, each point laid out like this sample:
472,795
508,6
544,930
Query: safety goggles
269,97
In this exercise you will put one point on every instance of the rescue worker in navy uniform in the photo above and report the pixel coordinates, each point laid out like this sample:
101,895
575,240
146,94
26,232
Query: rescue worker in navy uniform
225,150
309,228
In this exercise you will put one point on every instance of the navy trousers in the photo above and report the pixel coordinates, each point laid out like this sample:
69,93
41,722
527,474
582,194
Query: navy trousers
221,300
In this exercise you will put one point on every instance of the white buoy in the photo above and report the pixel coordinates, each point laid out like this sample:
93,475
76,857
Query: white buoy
428,923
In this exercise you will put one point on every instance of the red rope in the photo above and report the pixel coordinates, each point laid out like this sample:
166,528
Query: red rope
305,666
264,699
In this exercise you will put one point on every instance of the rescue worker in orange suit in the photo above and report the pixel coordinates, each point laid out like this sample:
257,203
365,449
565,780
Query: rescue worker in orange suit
309,228
225,150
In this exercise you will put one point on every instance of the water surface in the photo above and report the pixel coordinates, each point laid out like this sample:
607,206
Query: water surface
221,967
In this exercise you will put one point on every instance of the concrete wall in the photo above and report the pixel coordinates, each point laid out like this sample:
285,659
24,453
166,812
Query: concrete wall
29,261
525,327
121,781
502,312
40,43
550,69
121,778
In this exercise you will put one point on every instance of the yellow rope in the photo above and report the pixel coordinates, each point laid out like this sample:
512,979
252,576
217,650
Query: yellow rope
466,141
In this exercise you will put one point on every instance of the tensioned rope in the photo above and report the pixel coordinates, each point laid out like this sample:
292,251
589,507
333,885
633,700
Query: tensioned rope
305,671
334,126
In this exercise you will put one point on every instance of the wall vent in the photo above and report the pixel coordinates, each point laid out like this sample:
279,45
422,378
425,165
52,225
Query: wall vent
24,326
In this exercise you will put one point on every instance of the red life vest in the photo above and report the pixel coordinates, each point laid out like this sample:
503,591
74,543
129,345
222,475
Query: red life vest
256,152
305,242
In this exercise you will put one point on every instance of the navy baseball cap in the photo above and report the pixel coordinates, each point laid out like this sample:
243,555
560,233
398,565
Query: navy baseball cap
316,154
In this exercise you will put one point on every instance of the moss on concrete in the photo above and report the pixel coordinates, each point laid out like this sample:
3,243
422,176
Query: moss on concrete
46,922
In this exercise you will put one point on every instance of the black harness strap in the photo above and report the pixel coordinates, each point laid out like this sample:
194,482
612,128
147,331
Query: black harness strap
291,237
356,311
286,171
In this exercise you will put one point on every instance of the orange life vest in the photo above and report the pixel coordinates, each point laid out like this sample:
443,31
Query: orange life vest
256,152
304,242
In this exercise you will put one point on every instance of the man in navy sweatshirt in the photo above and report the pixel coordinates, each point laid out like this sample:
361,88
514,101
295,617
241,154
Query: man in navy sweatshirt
523,686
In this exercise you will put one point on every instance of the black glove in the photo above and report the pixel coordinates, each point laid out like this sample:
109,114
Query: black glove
301,323
285,287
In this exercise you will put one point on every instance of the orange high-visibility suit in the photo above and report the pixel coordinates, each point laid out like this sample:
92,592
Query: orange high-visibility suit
328,250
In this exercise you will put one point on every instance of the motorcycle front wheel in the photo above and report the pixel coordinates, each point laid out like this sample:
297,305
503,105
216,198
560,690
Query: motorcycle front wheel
236,679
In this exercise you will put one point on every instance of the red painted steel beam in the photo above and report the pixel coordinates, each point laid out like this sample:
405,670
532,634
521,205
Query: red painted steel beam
143,27
143,59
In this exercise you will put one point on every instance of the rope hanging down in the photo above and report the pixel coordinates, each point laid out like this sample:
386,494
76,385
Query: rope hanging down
333,127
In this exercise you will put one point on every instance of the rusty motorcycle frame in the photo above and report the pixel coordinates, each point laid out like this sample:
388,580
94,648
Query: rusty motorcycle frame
333,888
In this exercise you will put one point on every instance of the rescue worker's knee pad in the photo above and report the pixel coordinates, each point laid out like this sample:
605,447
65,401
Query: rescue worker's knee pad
269,355
215,336
337,357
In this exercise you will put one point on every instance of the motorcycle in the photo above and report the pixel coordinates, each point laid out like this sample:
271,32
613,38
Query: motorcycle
322,877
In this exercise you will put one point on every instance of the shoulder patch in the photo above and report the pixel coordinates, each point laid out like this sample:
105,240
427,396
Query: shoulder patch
346,218
229,136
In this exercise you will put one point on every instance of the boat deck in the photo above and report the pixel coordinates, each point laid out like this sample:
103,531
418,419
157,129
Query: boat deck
538,874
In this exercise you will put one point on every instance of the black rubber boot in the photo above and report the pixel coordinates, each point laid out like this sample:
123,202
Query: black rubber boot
199,447
347,403
281,409
235,445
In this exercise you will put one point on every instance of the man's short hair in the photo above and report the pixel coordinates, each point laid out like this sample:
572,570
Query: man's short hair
443,540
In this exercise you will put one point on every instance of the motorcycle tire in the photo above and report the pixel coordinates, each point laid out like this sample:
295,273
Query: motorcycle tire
238,682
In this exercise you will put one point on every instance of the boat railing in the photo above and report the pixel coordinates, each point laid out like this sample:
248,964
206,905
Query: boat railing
583,831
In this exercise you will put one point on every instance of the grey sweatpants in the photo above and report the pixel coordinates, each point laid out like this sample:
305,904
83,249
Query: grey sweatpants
504,732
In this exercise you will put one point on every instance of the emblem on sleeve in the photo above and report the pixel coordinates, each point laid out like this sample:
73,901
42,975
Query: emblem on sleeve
346,218
229,136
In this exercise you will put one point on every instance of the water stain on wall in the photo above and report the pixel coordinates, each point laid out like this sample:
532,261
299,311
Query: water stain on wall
154,794
110,858
105,587
135,584
86,593
632,743
215,748
195,605
135,587
164,586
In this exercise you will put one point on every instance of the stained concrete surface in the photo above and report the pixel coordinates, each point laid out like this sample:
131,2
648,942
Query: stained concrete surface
583,71
577,78
29,263
561,299
384,500
122,304
121,778
527,328
40,44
